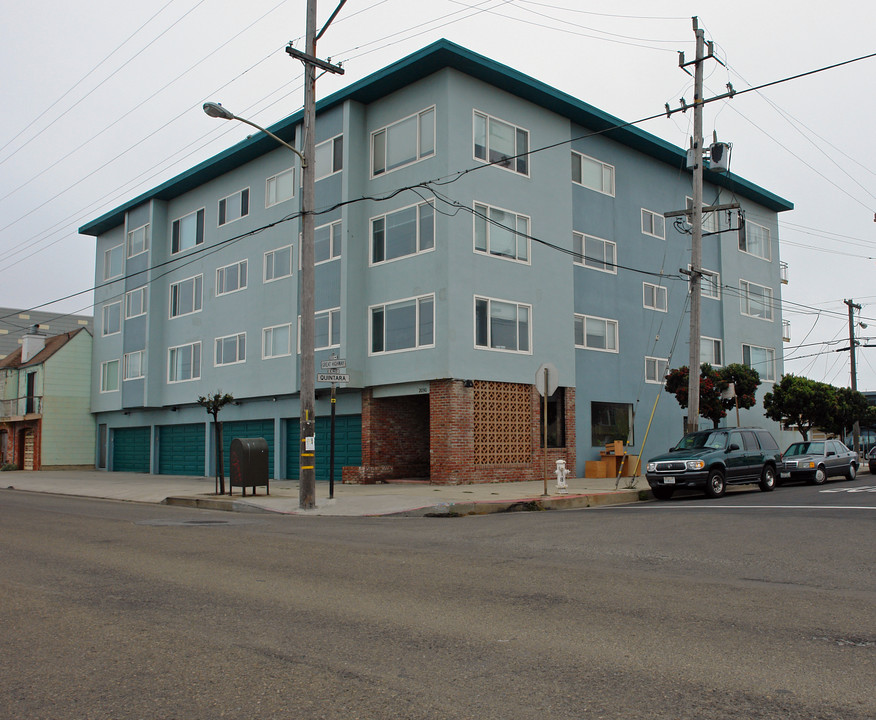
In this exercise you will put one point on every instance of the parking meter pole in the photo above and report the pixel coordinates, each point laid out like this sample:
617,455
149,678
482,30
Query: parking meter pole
332,450
544,415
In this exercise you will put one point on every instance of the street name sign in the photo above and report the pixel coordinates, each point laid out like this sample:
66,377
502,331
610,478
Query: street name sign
333,377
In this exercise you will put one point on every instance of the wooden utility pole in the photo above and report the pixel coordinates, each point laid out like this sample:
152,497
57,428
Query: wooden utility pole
856,428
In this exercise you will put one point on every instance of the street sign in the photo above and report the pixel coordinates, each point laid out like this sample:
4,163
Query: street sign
552,379
333,363
332,377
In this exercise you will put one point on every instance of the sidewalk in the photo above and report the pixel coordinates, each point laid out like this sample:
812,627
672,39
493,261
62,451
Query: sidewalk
412,499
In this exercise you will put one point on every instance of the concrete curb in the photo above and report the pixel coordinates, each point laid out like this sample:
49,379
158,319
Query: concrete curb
216,503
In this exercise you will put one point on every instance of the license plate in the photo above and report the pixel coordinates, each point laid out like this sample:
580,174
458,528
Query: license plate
669,481
785,475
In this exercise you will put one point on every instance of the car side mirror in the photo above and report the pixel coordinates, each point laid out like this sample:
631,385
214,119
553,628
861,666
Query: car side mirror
733,446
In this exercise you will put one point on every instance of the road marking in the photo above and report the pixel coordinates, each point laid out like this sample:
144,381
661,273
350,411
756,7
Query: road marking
671,506
866,488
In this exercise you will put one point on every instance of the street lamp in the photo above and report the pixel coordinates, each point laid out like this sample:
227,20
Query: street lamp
307,392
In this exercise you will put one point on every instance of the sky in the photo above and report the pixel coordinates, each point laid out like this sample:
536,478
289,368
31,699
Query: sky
102,102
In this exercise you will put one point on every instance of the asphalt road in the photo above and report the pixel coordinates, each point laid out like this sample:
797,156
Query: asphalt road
758,605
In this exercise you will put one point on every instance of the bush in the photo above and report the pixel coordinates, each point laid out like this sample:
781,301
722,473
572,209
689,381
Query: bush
8,466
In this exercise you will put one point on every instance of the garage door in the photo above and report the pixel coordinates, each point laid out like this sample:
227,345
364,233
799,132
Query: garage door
348,445
247,429
131,449
181,449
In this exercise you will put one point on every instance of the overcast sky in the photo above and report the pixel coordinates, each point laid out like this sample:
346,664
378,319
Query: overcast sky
102,101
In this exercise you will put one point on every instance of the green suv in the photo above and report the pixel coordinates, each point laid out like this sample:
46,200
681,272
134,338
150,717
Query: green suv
713,459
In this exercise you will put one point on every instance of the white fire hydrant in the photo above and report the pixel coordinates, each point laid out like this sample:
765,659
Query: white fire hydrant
562,474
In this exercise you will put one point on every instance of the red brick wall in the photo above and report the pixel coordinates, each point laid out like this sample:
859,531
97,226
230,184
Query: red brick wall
14,445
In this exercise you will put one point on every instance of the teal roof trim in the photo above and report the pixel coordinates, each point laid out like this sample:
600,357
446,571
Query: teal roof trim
437,56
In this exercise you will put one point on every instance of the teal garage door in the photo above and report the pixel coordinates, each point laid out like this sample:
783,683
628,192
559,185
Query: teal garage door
348,445
181,449
131,448
247,429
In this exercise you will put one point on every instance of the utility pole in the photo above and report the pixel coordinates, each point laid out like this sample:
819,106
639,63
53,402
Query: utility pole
307,393
856,428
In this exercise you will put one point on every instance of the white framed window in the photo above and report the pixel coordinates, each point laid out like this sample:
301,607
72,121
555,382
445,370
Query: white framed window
138,240
278,263
231,278
329,157
596,333
280,187
655,370
594,252
277,341
710,284
233,207
653,224
503,325
109,376
502,233
186,296
326,242
113,262
230,350
135,302
710,219
592,173
756,300
326,329
404,232
402,325
654,297
711,351
405,142
501,143
187,232
112,318
135,365
762,359
184,363
755,240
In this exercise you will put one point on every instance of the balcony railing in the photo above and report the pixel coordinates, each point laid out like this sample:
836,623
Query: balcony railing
19,407
786,330
783,272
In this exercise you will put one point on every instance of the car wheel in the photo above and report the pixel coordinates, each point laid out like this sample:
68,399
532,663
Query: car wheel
820,476
716,486
872,467
852,471
661,492
767,479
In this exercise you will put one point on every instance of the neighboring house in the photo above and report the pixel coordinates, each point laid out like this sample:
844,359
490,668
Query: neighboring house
14,323
45,398
444,299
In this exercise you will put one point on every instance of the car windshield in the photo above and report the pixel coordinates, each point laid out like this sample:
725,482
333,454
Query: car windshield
713,440
805,448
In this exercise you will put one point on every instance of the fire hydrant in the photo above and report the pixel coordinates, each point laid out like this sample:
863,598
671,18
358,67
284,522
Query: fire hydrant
562,474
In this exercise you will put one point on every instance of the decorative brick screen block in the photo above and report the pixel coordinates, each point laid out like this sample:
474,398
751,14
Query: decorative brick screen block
502,423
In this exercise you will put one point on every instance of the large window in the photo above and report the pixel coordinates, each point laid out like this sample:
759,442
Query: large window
327,242
234,207
762,359
654,297
280,187
135,365
710,219
109,376
231,349
594,252
277,341
278,263
404,325
653,224
755,240
113,262
501,232
501,143
592,173
231,278
404,232
187,232
403,142
186,296
329,157
184,363
138,241
501,325
655,370
556,419
710,284
610,422
112,318
711,351
595,333
135,303
756,300
326,329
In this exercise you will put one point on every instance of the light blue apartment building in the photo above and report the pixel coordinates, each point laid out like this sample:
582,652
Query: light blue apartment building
473,223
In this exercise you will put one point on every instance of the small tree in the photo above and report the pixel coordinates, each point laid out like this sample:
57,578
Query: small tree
213,403
711,386
745,382
850,407
801,403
